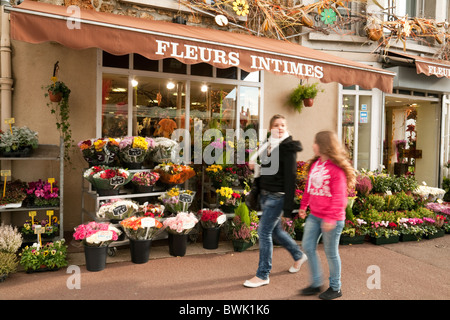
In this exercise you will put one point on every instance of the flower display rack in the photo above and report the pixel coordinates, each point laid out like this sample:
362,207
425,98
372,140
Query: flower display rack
47,152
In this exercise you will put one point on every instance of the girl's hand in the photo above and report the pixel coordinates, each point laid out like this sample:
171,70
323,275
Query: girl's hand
302,213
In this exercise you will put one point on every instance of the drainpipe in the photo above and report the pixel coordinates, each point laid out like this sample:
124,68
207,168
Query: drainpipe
5,85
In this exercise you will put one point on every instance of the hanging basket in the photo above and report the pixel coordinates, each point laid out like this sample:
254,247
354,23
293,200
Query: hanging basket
55,97
308,102
374,34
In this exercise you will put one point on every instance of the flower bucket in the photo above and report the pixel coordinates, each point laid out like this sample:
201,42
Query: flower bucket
140,250
211,238
241,245
177,244
55,97
108,192
95,257
132,165
143,189
308,102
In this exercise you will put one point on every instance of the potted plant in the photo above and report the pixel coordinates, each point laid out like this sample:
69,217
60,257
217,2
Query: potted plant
243,228
354,232
42,194
178,228
304,95
15,193
176,200
107,180
95,237
60,108
10,242
134,150
102,151
140,231
410,229
49,257
50,229
144,181
18,142
211,222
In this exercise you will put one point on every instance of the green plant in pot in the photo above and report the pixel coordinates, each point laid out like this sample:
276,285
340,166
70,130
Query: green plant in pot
59,106
304,95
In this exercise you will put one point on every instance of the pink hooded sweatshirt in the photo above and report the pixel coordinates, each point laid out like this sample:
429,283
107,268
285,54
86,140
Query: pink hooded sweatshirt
326,192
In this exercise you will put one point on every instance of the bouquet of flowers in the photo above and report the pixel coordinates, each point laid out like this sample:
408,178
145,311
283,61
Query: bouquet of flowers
222,175
117,209
42,193
176,200
52,255
103,177
174,173
211,218
96,234
101,151
182,223
228,197
145,178
134,149
151,210
165,149
141,228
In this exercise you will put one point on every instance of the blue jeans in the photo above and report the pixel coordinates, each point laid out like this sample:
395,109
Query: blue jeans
270,226
311,235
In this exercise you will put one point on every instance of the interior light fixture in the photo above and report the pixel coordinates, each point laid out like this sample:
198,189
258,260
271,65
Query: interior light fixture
134,83
204,88
170,85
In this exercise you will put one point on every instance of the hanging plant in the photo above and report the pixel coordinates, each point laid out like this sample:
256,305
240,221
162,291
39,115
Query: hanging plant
59,94
304,95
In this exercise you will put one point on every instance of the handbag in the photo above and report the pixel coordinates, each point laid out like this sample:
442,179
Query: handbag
252,199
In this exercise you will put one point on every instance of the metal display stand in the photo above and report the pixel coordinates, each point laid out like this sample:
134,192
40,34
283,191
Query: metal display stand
51,153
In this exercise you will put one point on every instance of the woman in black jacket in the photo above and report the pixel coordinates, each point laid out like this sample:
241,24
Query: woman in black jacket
277,184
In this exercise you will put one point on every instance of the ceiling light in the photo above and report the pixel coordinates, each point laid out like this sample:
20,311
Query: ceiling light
134,83
170,85
204,88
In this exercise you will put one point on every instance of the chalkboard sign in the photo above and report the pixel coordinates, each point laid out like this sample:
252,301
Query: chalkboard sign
184,197
117,211
117,181
134,152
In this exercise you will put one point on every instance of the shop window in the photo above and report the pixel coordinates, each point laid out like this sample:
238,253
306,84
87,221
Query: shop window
202,69
228,73
158,106
110,60
114,105
348,124
364,130
249,108
171,65
142,63
250,76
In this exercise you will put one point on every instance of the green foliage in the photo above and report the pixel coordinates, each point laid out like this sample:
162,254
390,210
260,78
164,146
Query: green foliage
406,202
391,203
52,255
243,213
303,92
19,139
374,201
8,263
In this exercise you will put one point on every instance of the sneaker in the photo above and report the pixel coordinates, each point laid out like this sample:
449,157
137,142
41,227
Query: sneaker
330,294
309,291
302,260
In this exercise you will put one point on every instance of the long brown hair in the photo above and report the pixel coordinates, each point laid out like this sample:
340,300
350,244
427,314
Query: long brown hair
330,146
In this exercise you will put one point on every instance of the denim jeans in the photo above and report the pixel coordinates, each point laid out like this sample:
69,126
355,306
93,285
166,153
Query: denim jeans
311,235
270,226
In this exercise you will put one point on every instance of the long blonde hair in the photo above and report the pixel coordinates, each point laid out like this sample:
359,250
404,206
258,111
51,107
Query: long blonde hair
330,146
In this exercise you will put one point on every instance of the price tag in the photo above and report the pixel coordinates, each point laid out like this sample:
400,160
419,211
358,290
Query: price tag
105,235
188,225
38,230
32,214
184,197
119,210
5,173
221,219
10,121
148,222
49,213
117,181
134,152
51,181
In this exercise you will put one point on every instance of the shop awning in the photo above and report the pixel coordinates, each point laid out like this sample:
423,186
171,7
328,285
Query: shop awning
427,66
37,22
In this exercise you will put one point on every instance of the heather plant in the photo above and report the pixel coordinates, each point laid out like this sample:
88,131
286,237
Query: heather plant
10,239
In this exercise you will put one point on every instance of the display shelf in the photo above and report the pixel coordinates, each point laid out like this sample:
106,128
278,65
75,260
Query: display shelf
45,152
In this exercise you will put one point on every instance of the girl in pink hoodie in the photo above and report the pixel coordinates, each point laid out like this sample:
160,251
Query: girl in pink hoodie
330,176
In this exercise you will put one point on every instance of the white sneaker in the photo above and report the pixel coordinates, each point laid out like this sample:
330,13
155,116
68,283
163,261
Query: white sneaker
302,260
249,284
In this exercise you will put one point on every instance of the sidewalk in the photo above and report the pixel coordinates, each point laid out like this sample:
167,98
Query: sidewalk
407,271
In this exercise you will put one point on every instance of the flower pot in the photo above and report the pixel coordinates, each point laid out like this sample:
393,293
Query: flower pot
95,257
177,244
57,97
374,34
211,238
438,234
241,245
408,237
346,240
308,102
140,250
384,240
108,192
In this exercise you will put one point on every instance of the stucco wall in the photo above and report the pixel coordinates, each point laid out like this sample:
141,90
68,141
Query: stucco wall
303,126
32,66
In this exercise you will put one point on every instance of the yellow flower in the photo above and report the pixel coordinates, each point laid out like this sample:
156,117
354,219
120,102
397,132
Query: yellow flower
54,79
98,145
139,142
240,7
